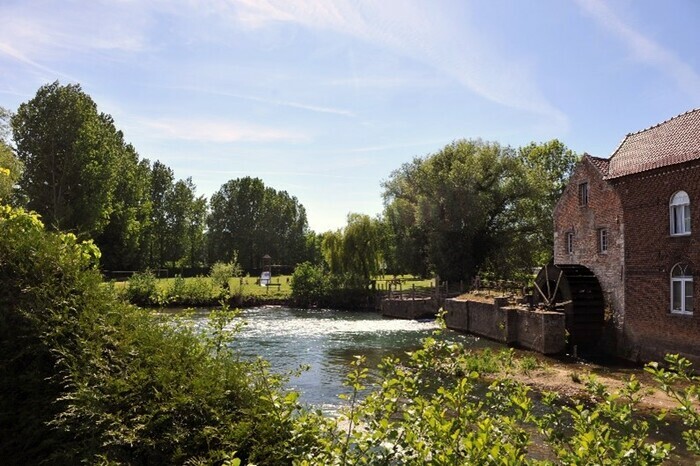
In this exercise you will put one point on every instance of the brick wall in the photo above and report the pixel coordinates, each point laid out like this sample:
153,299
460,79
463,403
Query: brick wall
604,210
650,329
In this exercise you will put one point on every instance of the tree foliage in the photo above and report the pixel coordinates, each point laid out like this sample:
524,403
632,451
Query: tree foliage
355,254
124,240
71,154
474,205
248,217
10,171
10,166
309,284
81,176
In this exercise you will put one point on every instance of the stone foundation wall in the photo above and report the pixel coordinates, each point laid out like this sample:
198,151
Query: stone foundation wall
409,308
537,330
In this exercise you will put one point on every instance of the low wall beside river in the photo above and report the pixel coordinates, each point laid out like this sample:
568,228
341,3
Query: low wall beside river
417,308
537,330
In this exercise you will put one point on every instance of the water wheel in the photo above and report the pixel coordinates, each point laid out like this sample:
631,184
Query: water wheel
575,291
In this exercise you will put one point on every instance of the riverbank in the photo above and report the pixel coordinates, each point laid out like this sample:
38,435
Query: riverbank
569,379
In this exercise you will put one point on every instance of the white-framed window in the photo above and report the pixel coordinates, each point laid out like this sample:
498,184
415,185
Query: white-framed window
681,289
679,209
583,194
570,242
602,239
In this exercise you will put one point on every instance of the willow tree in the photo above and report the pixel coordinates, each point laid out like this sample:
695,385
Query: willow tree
355,253
474,205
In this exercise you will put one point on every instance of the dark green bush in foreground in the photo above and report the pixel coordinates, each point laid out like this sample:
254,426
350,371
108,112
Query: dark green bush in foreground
88,378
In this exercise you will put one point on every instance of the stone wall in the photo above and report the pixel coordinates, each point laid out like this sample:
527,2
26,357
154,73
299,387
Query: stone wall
409,308
541,331
537,330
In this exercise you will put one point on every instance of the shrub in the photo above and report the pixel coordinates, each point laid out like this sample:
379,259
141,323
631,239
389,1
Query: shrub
679,382
309,284
142,289
222,272
198,291
427,410
177,289
88,378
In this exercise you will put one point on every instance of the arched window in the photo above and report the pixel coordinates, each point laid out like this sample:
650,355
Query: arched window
681,289
680,213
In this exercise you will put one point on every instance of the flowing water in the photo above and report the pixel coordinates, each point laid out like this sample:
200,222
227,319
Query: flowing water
327,340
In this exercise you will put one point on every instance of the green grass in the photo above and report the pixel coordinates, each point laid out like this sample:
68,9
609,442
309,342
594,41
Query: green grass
249,287
245,286
280,288
407,281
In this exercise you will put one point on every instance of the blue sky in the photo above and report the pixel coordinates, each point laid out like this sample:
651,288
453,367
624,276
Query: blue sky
324,99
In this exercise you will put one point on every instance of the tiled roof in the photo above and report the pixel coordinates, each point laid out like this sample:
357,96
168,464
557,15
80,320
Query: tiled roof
601,164
671,142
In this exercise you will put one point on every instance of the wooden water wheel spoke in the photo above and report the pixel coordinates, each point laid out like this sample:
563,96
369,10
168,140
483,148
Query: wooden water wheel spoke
576,292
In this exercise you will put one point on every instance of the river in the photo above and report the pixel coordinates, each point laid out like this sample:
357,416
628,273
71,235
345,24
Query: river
326,340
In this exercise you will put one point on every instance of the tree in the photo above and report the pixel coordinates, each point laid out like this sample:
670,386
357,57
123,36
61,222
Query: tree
10,166
178,213
124,240
332,250
549,166
309,284
197,254
5,128
355,254
69,151
255,220
475,206
362,248
161,186
10,172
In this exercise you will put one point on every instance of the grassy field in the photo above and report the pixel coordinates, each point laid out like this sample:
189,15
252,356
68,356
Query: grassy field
279,289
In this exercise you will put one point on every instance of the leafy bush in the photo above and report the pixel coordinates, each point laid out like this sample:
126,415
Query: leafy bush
88,378
683,385
431,410
198,291
309,284
142,289
177,289
222,272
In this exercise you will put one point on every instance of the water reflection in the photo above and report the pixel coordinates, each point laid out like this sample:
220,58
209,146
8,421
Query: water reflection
327,340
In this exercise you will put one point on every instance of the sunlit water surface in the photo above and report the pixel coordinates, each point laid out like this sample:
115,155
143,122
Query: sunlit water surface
327,340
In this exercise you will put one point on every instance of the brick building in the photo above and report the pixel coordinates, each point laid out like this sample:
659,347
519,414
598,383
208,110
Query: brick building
634,221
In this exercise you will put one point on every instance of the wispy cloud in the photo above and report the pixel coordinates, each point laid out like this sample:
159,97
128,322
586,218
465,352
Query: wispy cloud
221,131
35,33
315,174
282,103
643,48
15,54
420,32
